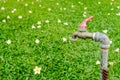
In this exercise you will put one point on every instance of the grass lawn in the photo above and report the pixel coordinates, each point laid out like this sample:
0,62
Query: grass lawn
37,33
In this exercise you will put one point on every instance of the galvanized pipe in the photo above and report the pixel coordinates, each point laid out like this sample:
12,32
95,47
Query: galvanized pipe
104,44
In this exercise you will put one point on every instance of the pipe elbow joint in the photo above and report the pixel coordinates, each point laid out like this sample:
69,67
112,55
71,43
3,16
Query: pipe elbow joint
103,39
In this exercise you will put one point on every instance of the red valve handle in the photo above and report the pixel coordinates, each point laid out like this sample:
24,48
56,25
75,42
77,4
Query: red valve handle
84,23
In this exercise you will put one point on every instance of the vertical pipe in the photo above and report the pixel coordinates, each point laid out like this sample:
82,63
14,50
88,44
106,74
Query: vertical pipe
104,64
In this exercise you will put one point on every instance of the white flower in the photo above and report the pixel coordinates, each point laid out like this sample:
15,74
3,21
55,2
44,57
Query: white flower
117,50
108,14
111,63
97,62
8,41
72,6
40,5
8,17
33,27
19,17
110,42
112,9
2,8
37,70
66,23
39,22
85,8
118,14
85,12
37,41
12,11
118,7
111,3
49,9
64,8
57,3
80,3
59,21
30,11
84,15
3,20
38,26
26,4
47,21
32,3
112,0
99,2
105,31
64,39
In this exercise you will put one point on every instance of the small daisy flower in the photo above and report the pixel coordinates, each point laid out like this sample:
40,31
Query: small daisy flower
85,12
8,17
33,27
66,23
37,70
2,8
26,4
111,63
8,41
40,5
64,39
108,14
32,3
105,31
19,17
59,21
85,8
30,11
37,41
49,9
117,50
118,14
57,3
80,3
112,9
12,11
97,62
72,6
110,42
111,3
118,7
4,21
99,2
47,21
64,8
84,15
38,26
39,22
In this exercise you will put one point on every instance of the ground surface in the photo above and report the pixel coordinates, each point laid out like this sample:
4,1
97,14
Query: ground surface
37,33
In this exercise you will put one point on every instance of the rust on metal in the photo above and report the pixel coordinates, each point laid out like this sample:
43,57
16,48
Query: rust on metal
105,74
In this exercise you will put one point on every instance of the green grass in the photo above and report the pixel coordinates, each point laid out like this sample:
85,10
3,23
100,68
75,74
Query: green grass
59,60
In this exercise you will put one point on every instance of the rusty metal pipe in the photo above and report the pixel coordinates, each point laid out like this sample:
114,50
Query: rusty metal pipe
104,44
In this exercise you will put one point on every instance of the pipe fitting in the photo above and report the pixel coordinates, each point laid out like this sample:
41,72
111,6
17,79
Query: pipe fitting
103,39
